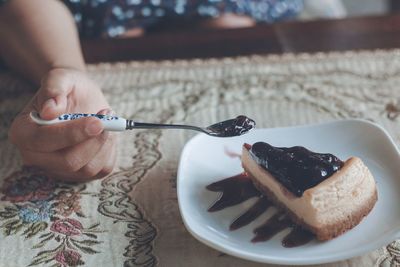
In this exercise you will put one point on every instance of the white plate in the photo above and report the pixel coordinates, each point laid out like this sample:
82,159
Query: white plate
204,161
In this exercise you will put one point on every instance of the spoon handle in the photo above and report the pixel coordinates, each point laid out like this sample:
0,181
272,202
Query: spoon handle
110,123
130,124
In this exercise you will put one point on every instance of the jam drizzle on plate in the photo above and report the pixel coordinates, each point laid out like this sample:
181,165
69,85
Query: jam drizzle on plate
239,188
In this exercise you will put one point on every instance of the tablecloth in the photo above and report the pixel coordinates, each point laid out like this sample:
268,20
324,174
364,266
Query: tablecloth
131,218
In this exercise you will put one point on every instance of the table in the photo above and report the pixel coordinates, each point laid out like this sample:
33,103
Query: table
131,218
375,32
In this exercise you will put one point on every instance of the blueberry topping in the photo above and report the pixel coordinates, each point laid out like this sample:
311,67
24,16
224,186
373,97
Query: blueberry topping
297,168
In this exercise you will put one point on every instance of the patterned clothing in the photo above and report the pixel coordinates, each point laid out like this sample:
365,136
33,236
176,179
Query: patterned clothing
110,18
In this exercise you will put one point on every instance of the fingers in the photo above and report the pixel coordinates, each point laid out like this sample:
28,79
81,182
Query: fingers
69,160
102,164
90,160
49,138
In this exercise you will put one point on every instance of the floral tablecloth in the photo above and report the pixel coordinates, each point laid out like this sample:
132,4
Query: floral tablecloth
131,218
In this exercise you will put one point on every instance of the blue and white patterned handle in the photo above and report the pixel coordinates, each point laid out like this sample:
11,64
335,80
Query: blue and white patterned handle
111,123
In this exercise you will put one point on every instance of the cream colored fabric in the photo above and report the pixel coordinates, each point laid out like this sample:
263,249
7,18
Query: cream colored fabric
131,218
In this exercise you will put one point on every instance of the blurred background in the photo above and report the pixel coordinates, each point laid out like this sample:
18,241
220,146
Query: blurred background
369,7
342,8
133,18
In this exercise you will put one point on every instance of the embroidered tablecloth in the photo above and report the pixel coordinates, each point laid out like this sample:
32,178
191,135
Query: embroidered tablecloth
131,218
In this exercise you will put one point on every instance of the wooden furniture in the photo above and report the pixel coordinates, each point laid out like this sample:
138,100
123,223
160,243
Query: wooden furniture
312,36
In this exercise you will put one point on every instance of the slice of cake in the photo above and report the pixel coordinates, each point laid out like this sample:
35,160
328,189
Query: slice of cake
319,191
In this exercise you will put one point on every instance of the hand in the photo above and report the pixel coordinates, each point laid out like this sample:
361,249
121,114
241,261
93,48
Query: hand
77,150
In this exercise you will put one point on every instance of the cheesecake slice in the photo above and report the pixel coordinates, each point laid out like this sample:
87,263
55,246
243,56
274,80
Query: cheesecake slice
318,191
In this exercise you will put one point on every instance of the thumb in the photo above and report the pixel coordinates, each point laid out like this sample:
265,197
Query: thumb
52,107
51,99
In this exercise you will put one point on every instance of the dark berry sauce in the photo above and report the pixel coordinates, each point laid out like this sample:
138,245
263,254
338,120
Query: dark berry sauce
239,188
251,214
234,127
235,190
242,125
297,168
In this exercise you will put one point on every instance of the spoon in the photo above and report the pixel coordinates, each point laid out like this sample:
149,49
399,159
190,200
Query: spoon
229,128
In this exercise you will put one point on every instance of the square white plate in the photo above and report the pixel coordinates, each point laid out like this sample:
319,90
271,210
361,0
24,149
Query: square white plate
204,160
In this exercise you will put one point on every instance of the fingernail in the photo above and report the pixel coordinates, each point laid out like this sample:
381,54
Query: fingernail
108,112
94,128
49,104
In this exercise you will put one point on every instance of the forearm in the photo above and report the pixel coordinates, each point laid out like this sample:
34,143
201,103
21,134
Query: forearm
36,36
